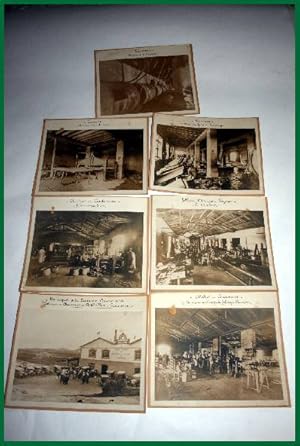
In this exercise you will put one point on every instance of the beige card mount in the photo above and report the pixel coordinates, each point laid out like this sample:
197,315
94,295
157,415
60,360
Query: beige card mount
93,157
145,80
217,156
87,245
217,243
216,349
79,353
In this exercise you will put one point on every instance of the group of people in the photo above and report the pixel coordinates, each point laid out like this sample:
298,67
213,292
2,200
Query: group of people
82,374
110,385
124,262
204,362
206,254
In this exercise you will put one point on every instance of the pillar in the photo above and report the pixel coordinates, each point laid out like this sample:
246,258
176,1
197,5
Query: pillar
196,153
53,158
229,245
248,339
120,159
215,346
169,246
167,150
221,155
251,152
203,155
212,154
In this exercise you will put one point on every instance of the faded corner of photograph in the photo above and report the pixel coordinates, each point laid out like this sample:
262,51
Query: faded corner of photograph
145,85
77,358
206,159
216,354
92,160
211,247
86,249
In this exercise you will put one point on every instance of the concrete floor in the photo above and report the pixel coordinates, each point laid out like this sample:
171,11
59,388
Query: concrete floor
211,275
69,183
219,387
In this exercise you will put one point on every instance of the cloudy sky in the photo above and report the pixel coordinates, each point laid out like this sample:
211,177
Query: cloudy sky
71,328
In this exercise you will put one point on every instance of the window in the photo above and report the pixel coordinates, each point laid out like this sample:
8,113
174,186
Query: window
105,353
137,354
236,242
137,370
92,353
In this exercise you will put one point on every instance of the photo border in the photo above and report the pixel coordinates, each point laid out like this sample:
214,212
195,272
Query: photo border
114,122
223,192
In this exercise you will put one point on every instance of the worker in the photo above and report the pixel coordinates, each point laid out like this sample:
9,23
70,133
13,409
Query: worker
42,255
131,261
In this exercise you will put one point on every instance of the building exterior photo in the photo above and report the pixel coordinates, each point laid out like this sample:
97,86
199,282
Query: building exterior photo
120,354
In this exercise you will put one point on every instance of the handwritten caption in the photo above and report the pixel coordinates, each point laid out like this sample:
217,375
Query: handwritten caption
106,303
220,300
208,202
95,203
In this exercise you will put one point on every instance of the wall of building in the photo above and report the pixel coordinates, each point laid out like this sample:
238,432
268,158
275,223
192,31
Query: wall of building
133,161
128,367
248,238
122,238
117,352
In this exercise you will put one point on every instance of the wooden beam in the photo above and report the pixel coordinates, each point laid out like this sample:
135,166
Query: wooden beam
199,138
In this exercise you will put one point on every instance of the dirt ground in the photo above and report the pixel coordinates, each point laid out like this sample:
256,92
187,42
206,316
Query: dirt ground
47,388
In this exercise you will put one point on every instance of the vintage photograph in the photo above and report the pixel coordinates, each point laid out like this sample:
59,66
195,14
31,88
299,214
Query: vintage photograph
145,80
209,352
191,154
210,247
92,156
79,353
87,249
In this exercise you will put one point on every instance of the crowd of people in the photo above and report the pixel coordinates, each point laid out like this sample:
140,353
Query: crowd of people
203,362
184,249
124,262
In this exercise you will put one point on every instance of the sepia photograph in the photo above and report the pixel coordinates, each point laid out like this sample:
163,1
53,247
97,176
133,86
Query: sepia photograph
83,249
193,154
145,80
217,349
79,353
200,245
89,156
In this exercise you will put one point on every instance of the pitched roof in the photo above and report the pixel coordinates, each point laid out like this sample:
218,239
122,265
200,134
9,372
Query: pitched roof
110,342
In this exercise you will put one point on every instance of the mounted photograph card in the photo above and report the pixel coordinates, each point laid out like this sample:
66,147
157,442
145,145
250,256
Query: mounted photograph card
201,242
216,349
87,245
92,156
211,155
79,353
145,80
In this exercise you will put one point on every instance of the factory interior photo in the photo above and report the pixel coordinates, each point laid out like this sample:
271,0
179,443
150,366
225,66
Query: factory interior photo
211,247
205,158
216,354
92,160
87,249
145,85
